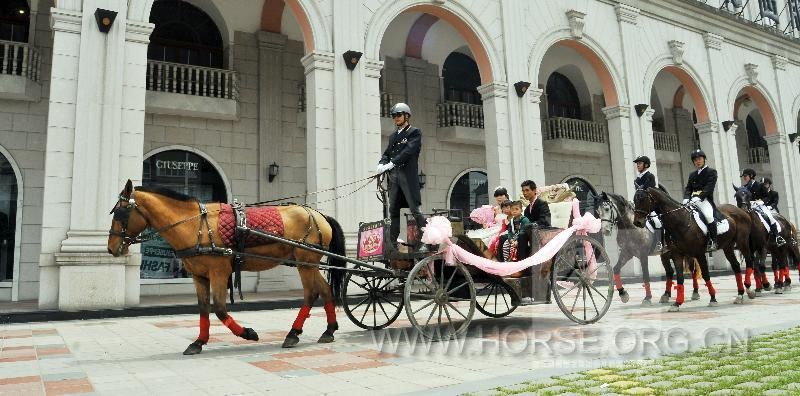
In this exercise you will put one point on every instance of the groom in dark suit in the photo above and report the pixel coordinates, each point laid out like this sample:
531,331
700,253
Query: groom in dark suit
400,161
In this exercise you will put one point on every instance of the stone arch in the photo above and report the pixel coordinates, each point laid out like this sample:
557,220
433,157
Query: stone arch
762,100
465,23
205,156
458,177
589,50
307,16
18,222
139,10
416,36
689,80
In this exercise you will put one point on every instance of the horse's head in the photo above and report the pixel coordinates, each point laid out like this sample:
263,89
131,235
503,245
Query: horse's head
127,223
606,212
643,204
743,197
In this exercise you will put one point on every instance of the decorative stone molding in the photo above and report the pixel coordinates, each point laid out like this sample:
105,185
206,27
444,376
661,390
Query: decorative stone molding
752,73
627,14
777,138
713,41
67,21
648,115
372,68
493,90
535,95
138,32
676,49
707,127
779,62
317,60
575,20
613,112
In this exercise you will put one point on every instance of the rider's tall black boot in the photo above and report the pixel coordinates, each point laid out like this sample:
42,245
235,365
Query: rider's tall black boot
712,235
773,234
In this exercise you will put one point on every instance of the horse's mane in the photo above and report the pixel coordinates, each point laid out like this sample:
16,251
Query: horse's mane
166,192
468,244
661,192
620,202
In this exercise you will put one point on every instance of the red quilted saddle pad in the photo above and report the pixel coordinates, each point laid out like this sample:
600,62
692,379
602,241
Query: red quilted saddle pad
265,219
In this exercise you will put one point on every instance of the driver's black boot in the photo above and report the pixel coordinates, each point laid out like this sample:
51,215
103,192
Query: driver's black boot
712,235
773,234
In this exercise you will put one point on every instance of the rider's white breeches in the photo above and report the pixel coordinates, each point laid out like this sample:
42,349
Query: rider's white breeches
763,209
653,222
707,210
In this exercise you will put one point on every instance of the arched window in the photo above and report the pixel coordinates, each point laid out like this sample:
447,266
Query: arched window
187,173
8,218
470,191
754,138
562,98
461,79
584,192
184,34
14,21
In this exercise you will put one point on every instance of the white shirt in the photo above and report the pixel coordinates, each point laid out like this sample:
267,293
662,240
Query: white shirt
645,171
701,169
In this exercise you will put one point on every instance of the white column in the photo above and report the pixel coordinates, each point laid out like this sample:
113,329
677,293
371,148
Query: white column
621,147
779,160
367,124
648,140
320,133
500,150
684,128
710,137
533,141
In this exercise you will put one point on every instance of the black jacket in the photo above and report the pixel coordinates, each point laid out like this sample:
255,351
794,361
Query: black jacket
771,199
645,181
403,150
757,189
538,213
702,185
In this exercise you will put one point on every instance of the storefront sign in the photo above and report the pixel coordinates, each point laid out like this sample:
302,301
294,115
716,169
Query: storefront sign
158,260
178,165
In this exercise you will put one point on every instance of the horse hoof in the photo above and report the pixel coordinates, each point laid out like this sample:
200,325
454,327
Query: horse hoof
751,294
325,338
674,308
778,290
249,334
290,341
713,304
624,296
194,348
695,296
647,301
664,299
739,299
767,287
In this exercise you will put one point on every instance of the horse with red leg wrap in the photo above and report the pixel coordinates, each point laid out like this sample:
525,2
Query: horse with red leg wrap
196,232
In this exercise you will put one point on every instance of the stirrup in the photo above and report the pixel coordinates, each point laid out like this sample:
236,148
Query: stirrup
780,241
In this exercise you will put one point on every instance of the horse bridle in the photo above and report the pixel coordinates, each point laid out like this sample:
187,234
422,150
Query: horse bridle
123,215
615,215
657,215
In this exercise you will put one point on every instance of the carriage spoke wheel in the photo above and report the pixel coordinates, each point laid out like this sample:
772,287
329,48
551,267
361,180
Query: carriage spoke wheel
496,299
439,299
581,280
372,300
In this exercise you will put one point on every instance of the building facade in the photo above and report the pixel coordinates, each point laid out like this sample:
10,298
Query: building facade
262,99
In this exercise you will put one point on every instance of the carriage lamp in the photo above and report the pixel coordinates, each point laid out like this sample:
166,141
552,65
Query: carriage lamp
521,87
273,171
640,109
105,18
351,59
423,178
726,125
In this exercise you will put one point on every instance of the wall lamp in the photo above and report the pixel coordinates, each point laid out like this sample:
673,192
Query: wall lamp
351,59
273,171
521,87
105,19
726,125
423,178
640,109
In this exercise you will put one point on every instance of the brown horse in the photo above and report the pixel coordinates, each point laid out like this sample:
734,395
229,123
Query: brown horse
689,240
186,224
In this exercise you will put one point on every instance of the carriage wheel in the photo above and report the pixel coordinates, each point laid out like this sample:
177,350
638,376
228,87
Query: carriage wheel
496,299
581,289
372,300
439,299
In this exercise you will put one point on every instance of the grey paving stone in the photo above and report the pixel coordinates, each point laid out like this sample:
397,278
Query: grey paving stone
546,382
793,386
661,384
571,377
517,387
648,378
600,390
726,392
639,391
730,367
488,392
776,392
558,389
692,368
688,377
669,372
727,378
748,373
750,385
702,384
636,371
770,378
681,392
584,383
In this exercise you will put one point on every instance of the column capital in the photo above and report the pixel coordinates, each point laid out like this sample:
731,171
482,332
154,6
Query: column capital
493,89
535,94
713,41
613,112
707,127
68,21
271,41
626,13
372,67
317,60
648,115
138,32
777,138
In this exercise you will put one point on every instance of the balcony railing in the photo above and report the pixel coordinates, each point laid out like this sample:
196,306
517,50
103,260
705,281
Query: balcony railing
192,80
459,114
19,59
781,18
569,128
666,141
301,100
758,155
387,101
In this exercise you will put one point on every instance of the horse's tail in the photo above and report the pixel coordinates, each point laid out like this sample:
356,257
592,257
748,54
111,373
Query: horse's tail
336,276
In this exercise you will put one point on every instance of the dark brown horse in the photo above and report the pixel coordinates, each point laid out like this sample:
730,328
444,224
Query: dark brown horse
690,241
179,219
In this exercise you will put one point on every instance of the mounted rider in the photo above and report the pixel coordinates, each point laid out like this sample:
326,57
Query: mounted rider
771,199
644,180
699,193
760,194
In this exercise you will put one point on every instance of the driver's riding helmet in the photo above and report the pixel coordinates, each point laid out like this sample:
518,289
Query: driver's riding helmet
749,172
767,180
643,159
698,153
400,108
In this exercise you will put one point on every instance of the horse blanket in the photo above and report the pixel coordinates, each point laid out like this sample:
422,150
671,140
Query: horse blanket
266,219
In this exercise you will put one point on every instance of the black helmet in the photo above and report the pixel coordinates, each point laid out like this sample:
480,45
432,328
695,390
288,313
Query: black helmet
766,180
643,158
698,153
748,172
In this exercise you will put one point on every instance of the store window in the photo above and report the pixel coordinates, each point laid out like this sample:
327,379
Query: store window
461,79
562,97
187,173
14,21
8,218
470,191
184,34
584,192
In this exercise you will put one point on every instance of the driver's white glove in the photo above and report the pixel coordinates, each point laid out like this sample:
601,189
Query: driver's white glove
685,201
695,200
379,168
388,166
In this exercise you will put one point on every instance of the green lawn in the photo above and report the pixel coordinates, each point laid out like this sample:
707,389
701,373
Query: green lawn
766,365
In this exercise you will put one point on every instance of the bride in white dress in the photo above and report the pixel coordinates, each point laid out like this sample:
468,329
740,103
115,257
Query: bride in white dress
490,217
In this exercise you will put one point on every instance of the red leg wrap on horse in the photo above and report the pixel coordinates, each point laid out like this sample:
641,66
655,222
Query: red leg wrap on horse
679,297
776,275
764,278
233,326
748,272
618,281
739,284
330,312
647,291
786,274
305,312
669,286
758,281
713,292
205,324
695,285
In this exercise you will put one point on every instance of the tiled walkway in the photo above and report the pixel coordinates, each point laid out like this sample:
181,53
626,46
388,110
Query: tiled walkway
143,355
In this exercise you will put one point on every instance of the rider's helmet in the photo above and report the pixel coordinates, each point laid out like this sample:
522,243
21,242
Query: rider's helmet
748,172
766,180
698,153
643,159
400,108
